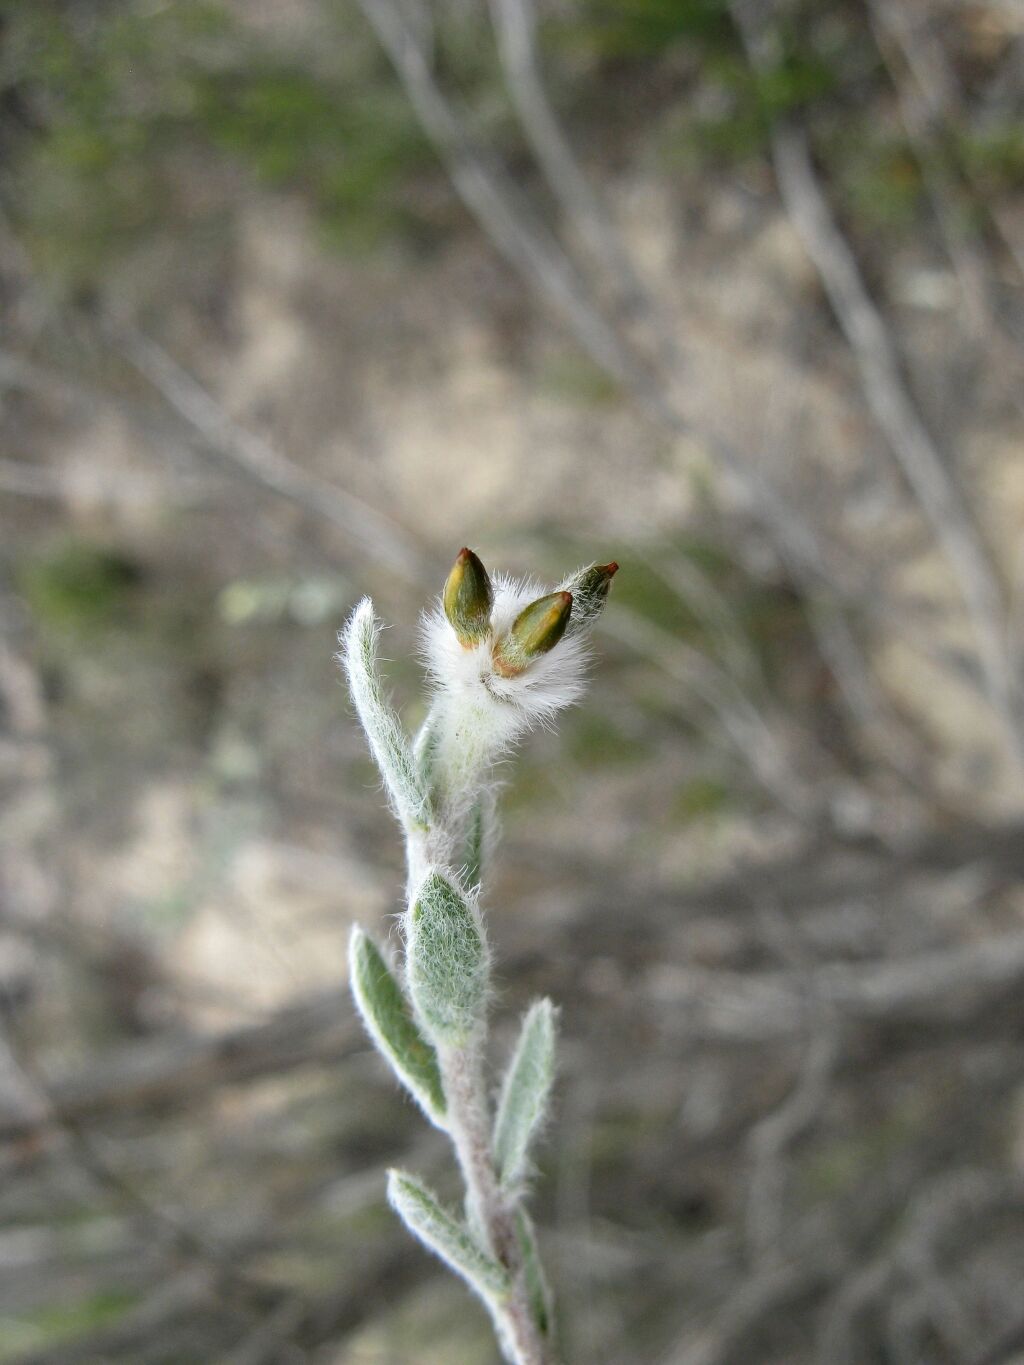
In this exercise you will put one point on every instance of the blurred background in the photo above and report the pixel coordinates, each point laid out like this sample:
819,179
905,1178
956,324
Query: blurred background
300,296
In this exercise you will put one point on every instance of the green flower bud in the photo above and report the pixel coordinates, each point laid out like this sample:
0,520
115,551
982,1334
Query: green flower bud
536,629
589,590
468,598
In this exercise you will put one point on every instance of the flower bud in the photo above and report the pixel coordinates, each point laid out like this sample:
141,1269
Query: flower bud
536,629
468,598
589,588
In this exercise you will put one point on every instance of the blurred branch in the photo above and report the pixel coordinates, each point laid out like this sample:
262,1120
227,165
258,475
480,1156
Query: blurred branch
377,535
269,1341
909,28
537,254
1005,1349
727,1337
168,1071
515,24
992,854
774,1134
383,540
955,201
887,395
184,1293
753,739
494,202
121,489
942,1210
948,202
380,1278
28,376
713,608
948,985
544,263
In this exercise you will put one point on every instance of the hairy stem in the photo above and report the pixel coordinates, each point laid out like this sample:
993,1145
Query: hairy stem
491,1212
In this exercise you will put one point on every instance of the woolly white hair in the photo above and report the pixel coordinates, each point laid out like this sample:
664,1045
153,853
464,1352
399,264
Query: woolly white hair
505,707
479,715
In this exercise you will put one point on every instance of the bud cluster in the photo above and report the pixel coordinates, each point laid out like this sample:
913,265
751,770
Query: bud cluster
504,656
469,601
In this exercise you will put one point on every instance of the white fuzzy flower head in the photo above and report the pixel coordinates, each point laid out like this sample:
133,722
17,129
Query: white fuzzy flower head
504,656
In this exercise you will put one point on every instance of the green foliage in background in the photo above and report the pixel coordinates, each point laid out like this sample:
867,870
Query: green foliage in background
103,98
75,586
138,127
993,155
726,110
621,29
881,180
732,119
123,114
345,149
52,1324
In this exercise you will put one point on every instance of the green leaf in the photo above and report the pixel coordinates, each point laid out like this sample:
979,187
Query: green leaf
389,1022
476,840
541,1299
388,741
446,962
445,1236
524,1092
425,751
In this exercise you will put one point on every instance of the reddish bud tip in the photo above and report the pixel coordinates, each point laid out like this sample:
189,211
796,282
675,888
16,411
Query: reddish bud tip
590,587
